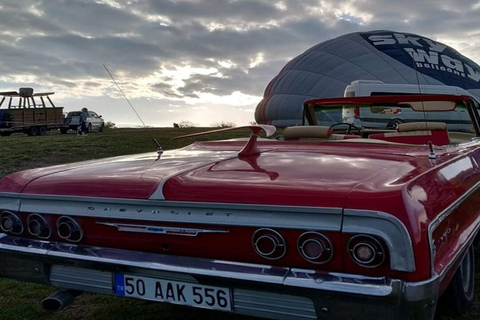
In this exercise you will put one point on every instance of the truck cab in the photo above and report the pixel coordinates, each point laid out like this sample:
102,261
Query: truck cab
384,117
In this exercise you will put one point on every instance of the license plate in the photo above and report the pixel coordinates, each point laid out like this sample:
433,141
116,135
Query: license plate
162,290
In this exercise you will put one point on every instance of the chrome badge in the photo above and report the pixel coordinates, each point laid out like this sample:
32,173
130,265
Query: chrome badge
173,231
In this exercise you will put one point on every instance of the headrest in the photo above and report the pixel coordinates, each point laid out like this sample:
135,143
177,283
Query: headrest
418,126
307,132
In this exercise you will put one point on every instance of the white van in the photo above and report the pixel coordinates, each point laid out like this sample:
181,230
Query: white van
388,118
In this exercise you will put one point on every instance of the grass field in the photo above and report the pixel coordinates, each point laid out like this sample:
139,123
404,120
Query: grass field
22,301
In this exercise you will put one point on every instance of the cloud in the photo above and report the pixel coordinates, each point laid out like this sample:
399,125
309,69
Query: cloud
193,52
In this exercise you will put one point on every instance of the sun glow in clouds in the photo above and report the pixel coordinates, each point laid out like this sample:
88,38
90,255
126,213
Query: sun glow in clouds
35,11
202,103
237,98
111,3
259,59
229,64
178,74
341,11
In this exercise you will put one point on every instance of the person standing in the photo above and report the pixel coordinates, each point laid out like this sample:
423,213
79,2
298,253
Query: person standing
83,121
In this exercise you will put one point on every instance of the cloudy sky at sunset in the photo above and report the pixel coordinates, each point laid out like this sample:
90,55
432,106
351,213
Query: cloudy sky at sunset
203,61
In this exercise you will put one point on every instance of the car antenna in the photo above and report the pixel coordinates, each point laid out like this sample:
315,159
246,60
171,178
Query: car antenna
159,148
432,156
120,89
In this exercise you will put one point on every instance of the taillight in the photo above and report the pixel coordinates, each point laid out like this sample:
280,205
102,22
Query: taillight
38,226
269,244
10,223
69,229
357,112
315,247
366,251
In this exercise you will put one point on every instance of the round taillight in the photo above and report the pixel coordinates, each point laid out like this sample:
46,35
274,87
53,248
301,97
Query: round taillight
69,229
10,223
269,244
315,247
366,251
38,226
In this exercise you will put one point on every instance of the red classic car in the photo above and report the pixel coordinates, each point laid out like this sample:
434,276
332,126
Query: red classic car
333,222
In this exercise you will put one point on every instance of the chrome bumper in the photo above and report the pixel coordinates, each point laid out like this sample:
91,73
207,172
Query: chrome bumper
258,290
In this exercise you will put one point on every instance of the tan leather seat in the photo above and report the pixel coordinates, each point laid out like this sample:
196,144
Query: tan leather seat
418,126
417,133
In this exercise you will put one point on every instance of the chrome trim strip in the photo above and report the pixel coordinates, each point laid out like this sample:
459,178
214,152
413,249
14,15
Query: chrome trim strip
345,283
9,201
442,216
445,213
290,217
22,245
137,228
387,227
152,261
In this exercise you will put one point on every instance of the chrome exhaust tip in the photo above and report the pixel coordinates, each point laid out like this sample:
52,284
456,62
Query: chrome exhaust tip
60,300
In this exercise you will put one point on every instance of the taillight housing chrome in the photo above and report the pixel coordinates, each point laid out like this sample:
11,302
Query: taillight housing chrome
10,223
269,244
69,229
38,226
366,251
315,247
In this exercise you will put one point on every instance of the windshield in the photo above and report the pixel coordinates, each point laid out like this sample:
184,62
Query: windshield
397,119
389,117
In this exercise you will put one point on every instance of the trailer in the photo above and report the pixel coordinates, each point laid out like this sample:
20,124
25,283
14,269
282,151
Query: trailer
31,113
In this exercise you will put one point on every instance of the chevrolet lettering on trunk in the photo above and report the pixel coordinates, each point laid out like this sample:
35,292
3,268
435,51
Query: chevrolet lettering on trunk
303,222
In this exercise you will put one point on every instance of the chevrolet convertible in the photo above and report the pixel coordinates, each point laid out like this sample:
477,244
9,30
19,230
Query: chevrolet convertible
339,222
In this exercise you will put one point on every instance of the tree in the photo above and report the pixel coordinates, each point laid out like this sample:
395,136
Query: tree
186,124
224,124
110,125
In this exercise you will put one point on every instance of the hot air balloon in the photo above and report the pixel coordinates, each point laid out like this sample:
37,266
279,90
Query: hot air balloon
324,71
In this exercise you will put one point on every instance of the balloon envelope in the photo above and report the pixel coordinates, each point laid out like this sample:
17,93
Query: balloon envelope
324,71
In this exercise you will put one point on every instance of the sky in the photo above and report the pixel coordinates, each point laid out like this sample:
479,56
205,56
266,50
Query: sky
202,62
